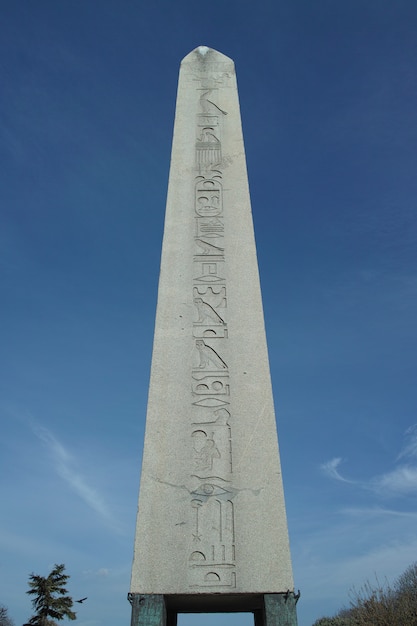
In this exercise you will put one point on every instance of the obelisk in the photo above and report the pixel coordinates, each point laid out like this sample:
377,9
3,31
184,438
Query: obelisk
211,530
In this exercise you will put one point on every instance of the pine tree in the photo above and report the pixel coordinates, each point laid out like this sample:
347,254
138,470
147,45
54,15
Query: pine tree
51,601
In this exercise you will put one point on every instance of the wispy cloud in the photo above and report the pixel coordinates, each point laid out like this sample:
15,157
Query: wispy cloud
330,468
410,448
64,463
102,572
402,480
378,512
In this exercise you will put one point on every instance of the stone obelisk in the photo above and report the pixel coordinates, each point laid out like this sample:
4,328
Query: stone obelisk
211,530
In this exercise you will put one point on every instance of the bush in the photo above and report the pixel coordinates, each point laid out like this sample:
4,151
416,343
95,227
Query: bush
333,621
380,604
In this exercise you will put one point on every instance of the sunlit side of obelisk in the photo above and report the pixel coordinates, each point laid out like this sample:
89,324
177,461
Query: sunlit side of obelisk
211,529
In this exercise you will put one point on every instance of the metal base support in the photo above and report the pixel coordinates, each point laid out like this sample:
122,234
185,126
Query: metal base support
270,609
278,610
150,610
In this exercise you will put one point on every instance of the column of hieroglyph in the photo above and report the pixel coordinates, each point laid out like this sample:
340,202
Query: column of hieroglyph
211,513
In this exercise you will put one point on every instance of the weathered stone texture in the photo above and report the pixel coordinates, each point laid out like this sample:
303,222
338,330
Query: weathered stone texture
211,508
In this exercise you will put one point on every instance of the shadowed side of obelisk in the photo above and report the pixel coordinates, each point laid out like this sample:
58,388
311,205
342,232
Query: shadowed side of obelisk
211,529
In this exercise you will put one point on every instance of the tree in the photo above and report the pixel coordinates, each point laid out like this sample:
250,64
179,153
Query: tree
5,620
51,601
337,620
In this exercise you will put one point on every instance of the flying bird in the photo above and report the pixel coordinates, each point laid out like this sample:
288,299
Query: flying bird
82,600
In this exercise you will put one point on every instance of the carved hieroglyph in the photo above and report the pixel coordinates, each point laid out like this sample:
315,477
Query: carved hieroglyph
211,507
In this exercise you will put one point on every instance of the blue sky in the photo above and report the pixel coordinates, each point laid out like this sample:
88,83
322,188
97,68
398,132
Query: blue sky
328,94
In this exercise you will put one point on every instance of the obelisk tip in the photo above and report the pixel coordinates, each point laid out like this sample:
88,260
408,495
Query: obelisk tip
204,55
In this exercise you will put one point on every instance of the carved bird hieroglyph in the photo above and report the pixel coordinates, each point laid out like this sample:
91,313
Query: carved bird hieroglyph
206,311
208,355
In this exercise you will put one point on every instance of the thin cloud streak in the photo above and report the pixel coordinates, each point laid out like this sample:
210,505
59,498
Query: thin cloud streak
400,481
410,449
373,512
63,465
330,469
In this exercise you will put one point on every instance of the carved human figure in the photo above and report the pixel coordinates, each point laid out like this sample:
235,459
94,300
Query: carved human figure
205,454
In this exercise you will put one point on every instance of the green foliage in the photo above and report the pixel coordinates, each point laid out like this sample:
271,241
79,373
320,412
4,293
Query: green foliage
51,601
380,604
5,620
